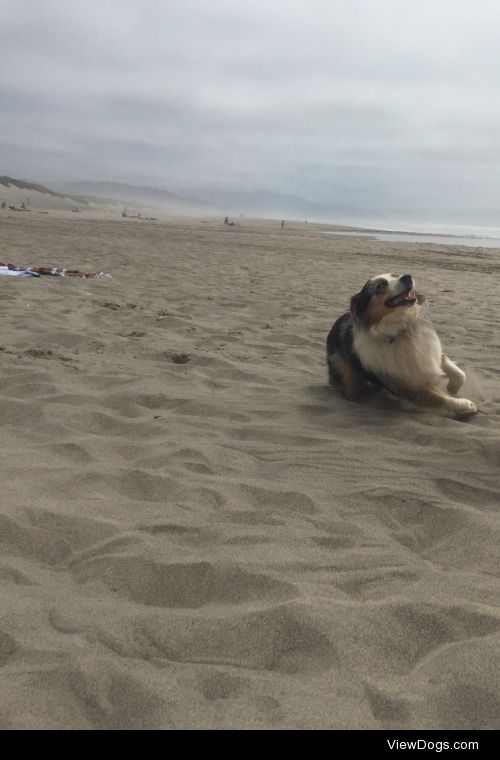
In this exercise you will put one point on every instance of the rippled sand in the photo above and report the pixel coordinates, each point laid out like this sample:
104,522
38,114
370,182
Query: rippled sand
195,531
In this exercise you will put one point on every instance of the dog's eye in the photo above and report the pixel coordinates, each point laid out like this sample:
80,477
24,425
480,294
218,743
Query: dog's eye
381,286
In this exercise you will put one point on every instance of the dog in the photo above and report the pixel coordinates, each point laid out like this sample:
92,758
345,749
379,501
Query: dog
387,341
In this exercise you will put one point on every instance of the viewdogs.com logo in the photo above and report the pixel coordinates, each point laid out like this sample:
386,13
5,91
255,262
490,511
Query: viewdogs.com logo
438,746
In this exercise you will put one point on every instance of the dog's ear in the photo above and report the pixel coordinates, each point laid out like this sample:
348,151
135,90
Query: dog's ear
360,302
356,303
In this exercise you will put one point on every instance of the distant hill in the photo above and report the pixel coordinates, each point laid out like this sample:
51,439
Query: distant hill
264,203
206,200
21,184
143,196
12,183
194,201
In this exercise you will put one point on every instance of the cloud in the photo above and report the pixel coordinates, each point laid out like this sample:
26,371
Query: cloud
299,97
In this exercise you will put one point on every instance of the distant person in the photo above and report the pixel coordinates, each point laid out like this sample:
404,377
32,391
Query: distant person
3,205
282,223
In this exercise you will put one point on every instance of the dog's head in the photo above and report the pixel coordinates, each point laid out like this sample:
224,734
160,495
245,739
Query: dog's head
389,299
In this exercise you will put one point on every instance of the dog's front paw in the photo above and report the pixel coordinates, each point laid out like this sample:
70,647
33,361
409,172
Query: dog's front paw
463,406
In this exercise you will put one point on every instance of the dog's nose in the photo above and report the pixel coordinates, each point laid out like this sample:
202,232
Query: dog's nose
406,279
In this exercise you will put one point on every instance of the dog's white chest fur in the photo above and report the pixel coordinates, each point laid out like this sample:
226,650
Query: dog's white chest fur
413,357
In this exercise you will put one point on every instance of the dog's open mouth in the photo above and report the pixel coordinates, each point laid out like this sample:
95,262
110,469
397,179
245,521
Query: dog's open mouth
406,298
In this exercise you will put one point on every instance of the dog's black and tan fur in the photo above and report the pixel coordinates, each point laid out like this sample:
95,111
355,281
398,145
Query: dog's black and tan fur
386,341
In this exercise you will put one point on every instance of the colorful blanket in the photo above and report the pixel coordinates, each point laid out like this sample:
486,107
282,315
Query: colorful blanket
11,269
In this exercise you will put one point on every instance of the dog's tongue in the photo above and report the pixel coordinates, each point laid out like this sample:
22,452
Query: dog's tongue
399,299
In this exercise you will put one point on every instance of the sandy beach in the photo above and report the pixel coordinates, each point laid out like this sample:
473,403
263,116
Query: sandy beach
195,531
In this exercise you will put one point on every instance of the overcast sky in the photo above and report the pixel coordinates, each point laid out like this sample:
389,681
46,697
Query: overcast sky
389,104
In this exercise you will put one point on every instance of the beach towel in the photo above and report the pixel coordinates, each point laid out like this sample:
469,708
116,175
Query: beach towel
19,271
6,272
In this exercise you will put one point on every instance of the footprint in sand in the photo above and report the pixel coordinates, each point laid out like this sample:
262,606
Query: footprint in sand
189,585
8,647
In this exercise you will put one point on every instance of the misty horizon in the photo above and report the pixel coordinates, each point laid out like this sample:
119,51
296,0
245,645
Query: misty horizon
386,110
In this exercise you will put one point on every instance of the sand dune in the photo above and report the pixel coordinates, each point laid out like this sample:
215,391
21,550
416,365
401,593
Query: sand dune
195,532
42,201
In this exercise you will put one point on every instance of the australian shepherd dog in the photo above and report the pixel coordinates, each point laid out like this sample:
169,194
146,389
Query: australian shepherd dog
387,341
